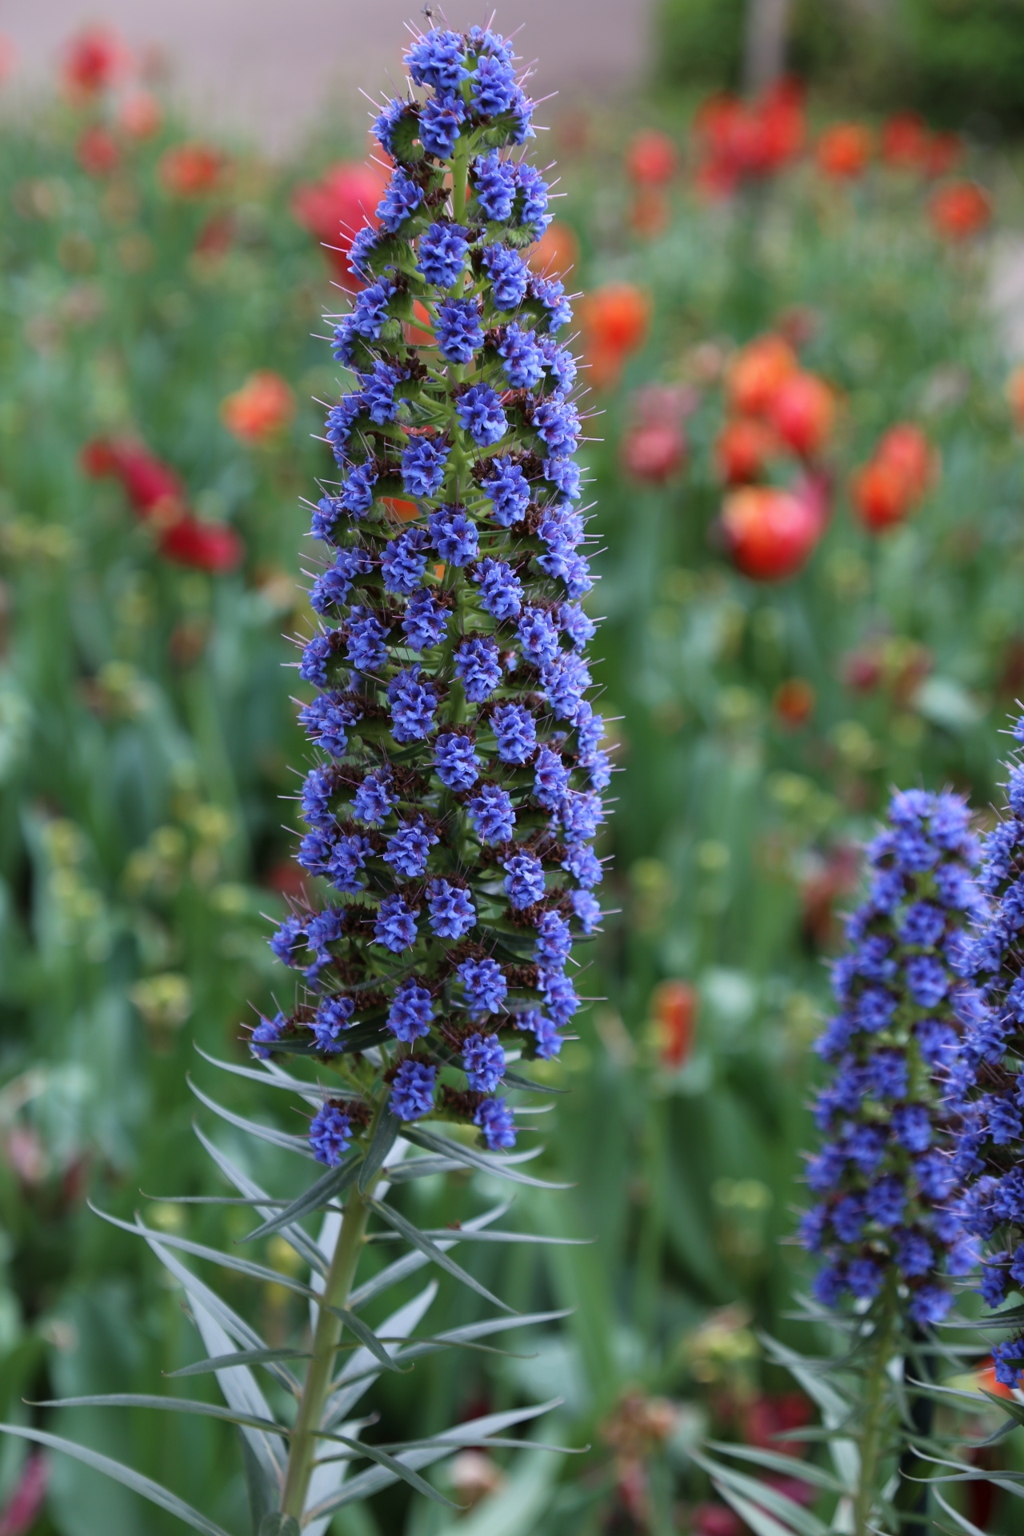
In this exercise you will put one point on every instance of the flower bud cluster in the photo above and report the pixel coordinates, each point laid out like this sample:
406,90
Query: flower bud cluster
988,1084
458,792
882,1176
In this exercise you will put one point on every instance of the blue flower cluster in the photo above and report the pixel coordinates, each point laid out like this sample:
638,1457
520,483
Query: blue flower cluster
988,1084
882,1177
458,792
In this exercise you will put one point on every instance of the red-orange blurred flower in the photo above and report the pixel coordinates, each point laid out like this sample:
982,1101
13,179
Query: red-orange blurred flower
794,702
654,450
757,372
648,212
216,237
651,158
404,511
770,533
802,411
419,334
739,140
884,491
8,57
140,115
615,320
97,151
910,453
674,1011
258,410
959,210
844,150
1015,395
944,152
191,170
152,487
93,61
212,547
987,1380
336,207
744,446
905,141
880,495
557,251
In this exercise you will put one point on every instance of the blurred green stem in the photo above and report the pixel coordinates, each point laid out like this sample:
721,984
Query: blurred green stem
325,1342
875,1394
652,1224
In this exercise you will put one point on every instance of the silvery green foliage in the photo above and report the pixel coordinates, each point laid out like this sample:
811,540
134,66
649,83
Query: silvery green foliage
452,810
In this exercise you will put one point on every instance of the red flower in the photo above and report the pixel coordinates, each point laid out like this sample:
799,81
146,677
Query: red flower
654,450
94,61
25,1505
844,150
794,702
140,115
802,411
744,445
910,453
757,372
336,207
191,170
959,210
556,252
886,490
258,410
150,485
615,320
97,151
905,141
674,1010
770,533
740,141
651,158
212,547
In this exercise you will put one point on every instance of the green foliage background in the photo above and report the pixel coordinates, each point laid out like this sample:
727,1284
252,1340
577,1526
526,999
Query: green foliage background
147,740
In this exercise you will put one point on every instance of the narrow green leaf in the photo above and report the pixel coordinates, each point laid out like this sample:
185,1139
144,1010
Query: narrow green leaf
120,1474
276,1524
510,1237
384,1135
514,1080
274,1078
501,1167
238,1357
332,1183
800,1520
961,1520
215,1256
467,1337
761,1523
435,1254
411,1262
422,1168
267,1133
171,1404
398,1468
367,1338
303,1244
791,1466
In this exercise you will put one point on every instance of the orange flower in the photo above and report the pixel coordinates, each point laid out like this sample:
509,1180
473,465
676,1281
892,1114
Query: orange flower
615,320
140,115
802,411
654,450
404,511
880,495
770,532
8,57
419,334
191,170
651,158
742,449
336,207
905,141
739,141
909,452
959,210
756,373
1015,395
94,61
674,1010
557,251
794,702
97,151
258,411
844,150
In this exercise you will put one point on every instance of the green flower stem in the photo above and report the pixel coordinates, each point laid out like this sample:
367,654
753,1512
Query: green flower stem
875,1405
325,1342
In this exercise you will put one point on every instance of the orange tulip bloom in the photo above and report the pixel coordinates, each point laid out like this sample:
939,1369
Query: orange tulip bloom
743,447
844,150
757,372
191,170
651,158
959,210
802,411
258,411
770,533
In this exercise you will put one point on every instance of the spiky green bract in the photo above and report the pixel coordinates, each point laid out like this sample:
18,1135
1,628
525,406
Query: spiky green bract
459,789
453,810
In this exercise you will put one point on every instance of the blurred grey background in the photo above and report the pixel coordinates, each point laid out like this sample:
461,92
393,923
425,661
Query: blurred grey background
271,67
